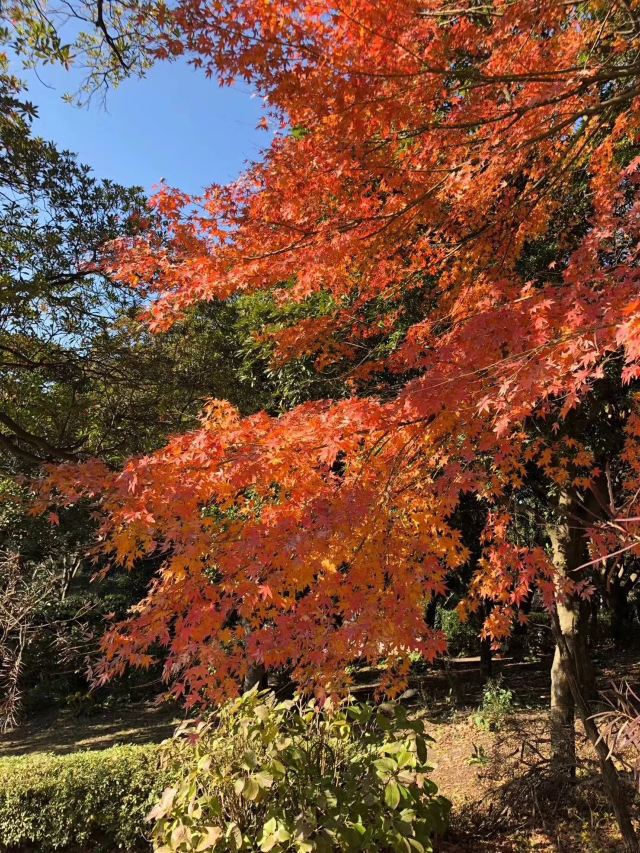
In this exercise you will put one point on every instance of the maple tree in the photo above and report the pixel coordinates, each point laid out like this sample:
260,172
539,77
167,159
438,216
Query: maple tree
457,184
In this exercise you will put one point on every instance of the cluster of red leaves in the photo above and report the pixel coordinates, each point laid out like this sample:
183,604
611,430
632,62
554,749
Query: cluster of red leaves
434,143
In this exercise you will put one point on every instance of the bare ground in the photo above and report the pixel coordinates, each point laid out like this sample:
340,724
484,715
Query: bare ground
505,798
69,730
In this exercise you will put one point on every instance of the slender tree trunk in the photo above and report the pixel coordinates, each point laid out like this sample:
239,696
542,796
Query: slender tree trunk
486,653
569,552
256,673
572,677
594,626
486,658
608,771
620,613
430,615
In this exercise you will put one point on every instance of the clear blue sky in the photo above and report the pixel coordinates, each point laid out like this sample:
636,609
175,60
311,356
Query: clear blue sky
175,123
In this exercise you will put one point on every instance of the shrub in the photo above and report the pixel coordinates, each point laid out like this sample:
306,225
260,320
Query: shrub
269,776
462,637
497,705
84,801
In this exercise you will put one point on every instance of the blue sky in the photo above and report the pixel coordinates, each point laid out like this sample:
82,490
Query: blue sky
174,124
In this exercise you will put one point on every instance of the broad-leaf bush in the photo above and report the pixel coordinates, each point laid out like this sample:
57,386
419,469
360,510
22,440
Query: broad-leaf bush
264,775
87,801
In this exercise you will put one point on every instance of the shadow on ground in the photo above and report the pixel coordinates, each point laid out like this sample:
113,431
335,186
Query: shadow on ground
65,730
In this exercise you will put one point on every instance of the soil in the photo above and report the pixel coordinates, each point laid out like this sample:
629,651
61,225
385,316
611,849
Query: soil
505,798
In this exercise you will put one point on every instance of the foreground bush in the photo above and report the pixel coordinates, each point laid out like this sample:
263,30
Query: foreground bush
269,776
87,801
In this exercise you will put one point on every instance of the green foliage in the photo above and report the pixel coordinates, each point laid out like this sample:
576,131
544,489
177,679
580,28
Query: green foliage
80,374
462,637
85,801
109,42
496,707
478,757
58,307
287,776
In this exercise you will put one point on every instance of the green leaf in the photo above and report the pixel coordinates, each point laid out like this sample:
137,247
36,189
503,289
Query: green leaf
405,758
249,760
408,814
392,795
387,765
251,789
278,767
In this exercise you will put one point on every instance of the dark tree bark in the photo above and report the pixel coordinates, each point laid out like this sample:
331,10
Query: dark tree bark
430,614
610,777
572,676
569,549
621,620
486,658
594,625
256,675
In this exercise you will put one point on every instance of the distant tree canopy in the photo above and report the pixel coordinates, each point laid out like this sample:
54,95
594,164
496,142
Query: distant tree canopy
80,374
56,308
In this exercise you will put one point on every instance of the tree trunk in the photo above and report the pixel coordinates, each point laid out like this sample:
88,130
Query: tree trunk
431,611
486,658
608,771
572,678
256,674
486,653
594,626
569,549
562,710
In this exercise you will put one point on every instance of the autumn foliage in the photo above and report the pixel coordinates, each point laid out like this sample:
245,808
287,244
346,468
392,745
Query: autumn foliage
460,180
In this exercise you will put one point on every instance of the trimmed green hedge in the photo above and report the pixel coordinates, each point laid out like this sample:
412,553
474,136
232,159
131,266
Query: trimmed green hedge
86,801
